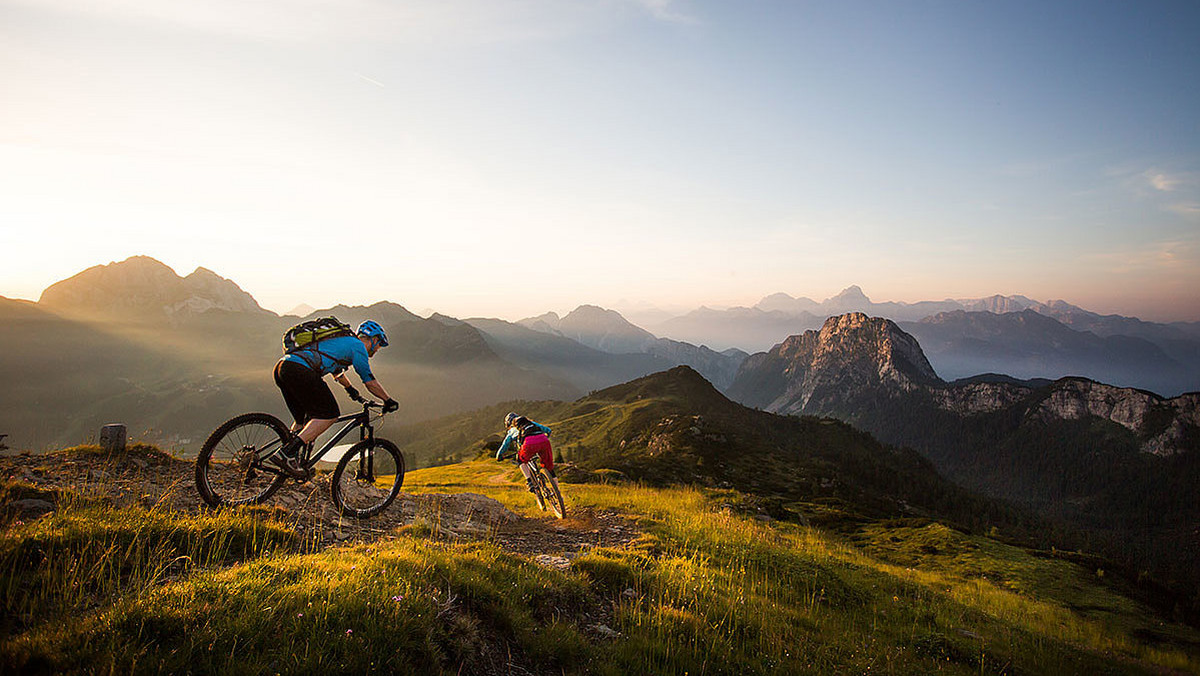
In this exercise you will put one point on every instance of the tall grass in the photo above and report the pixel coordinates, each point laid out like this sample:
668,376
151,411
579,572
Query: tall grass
411,606
725,589
85,555
704,590
707,587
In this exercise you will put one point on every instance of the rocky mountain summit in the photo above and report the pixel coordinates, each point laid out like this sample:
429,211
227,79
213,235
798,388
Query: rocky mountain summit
855,361
142,286
813,373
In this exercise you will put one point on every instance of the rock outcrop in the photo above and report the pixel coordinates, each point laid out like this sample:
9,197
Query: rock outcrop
818,370
1162,424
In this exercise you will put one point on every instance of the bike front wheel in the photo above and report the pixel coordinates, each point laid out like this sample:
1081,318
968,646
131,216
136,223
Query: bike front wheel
553,498
539,492
230,469
367,478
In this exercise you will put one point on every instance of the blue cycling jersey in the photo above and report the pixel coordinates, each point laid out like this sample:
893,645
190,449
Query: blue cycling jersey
334,355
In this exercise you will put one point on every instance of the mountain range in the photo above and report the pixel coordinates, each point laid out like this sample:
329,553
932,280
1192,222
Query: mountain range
173,356
608,331
1005,334
196,347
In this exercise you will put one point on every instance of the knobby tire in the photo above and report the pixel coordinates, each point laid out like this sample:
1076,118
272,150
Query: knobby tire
229,471
553,496
360,496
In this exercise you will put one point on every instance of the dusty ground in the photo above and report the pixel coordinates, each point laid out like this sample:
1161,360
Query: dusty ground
153,479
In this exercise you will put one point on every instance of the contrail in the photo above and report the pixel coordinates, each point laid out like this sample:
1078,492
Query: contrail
371,80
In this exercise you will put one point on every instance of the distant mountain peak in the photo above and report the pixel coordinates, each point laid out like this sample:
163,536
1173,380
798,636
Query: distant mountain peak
381,311
143,286
593,311
596,327
301,310
776,297
852,293
851,353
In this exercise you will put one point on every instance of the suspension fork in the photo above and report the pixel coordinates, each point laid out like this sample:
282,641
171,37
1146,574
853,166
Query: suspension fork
366,459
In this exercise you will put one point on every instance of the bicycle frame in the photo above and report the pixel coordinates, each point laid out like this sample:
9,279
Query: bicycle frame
535,463
360,420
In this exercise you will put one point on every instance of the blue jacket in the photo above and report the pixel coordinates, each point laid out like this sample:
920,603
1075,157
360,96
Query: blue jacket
514,437
335,355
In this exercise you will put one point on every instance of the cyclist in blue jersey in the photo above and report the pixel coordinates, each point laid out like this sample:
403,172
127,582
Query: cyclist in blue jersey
300,377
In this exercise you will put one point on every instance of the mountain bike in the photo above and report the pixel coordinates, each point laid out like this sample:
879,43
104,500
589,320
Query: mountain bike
545,491
235,464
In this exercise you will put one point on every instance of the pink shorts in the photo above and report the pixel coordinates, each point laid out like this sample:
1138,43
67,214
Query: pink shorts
539,444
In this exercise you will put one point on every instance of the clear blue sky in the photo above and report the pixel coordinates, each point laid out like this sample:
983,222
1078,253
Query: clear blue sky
508,157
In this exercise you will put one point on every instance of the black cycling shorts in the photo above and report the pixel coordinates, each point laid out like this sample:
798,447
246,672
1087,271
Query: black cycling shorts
305,392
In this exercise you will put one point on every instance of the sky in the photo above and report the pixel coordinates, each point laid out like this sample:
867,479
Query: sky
508,157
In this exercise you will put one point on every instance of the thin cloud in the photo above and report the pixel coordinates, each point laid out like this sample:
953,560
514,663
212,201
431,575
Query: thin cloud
371,80
1165,182
1157,184
1185,208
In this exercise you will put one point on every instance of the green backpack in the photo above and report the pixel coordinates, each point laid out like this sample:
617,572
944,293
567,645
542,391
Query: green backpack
306,335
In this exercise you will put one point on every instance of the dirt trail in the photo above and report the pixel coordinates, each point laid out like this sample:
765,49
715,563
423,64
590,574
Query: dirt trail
149,480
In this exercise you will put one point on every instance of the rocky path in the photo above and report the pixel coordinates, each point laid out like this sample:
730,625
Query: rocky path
154,479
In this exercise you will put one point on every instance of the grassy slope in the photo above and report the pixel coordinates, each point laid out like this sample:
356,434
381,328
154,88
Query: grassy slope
705,590
675,428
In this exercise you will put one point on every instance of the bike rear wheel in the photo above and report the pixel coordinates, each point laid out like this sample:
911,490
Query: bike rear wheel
367,478
231,468
553,497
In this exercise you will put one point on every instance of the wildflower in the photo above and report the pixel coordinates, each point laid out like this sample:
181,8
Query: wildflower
299,615
349,632
398,597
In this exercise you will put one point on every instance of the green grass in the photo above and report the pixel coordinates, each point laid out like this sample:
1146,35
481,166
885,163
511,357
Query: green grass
705,590
714,588
87,553
410,606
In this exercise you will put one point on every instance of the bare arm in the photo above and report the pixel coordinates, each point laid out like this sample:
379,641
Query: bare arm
376,389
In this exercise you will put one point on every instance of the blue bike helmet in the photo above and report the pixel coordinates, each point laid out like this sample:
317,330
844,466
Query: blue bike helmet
372,330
